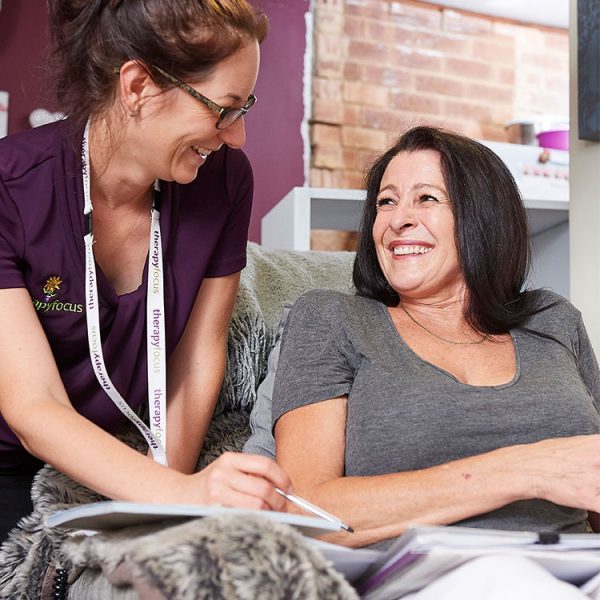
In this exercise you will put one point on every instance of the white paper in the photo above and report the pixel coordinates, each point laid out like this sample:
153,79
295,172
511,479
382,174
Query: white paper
114,515
423,554
3,114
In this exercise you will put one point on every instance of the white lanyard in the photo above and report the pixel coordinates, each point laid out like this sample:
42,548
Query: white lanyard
156,436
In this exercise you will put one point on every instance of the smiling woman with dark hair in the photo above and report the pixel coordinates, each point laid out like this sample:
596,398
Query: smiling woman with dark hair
444,391
98,307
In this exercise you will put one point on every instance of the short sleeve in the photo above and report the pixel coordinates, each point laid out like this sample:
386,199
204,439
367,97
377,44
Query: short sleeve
317,359
229,256
11,242
587,363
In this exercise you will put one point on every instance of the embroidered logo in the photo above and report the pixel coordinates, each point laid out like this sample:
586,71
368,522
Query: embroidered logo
51,286
51,290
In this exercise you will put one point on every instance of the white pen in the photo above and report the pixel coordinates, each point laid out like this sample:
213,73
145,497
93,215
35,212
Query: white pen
306,505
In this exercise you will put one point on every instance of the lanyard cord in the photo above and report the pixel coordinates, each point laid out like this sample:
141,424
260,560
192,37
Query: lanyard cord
155,325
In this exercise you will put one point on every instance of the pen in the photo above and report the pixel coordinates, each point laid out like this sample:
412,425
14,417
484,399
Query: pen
306,505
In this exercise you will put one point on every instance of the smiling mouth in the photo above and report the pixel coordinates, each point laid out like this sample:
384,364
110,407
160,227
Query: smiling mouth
408,250
203,153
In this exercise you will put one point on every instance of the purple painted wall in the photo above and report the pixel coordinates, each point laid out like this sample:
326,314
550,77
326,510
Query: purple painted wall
23,47
274,144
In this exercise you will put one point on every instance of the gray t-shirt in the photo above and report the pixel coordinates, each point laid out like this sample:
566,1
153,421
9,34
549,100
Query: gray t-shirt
405,413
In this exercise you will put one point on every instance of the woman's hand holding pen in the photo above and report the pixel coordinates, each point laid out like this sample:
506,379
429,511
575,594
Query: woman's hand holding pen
241,481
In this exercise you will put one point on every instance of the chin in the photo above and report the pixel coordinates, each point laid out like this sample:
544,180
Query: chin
185,178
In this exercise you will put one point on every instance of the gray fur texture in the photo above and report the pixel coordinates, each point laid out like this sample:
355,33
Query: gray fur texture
237,557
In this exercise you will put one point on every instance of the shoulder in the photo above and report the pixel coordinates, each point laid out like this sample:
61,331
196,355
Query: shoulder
332,304
552,314
22,153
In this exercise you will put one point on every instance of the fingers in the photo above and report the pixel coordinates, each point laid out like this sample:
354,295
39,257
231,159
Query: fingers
244,481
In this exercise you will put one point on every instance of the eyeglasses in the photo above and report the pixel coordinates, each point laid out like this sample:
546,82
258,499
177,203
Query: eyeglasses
227,116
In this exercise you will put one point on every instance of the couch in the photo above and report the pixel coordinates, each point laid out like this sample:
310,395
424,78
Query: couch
214,557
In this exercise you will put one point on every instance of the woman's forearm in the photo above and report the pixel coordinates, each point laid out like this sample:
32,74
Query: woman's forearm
75,446
383,506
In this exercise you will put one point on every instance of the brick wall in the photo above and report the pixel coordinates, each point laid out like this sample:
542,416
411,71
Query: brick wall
380,66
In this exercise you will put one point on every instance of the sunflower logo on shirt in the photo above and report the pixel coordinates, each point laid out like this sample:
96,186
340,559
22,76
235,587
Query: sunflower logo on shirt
51,286
51,303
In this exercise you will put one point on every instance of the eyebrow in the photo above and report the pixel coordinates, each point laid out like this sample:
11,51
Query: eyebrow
232,97
417,186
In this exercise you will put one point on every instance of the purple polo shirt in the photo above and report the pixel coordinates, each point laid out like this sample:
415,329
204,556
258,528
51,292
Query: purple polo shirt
204,228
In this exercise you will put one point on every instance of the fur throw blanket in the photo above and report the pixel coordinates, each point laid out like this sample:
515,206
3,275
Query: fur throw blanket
271,279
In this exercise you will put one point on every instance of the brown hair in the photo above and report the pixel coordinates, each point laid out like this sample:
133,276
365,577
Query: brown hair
491,229
187,38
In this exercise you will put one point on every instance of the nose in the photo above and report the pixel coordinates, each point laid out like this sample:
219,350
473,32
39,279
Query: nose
402,217
234,135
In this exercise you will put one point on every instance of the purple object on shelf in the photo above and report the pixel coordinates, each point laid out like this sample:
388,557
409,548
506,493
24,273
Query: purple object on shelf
557,139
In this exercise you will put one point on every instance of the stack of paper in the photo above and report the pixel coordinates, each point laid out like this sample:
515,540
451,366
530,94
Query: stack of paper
423,554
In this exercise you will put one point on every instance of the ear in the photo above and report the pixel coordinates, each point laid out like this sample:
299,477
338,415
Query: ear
136,86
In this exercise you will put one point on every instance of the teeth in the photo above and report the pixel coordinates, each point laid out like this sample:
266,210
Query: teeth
402,250
202,153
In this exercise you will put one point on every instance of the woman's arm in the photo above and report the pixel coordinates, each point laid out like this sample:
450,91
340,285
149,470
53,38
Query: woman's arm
34,403
310,447
196,370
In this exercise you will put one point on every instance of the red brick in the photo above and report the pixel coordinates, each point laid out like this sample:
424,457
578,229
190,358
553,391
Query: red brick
557,41
352,180
418,103
327,111
329,157
450,43
329,21
537,60
351,158
354,27
367,51
361,137
493,132
353,71
494,52
367,8
324,178
461,23
387,77
351,114
496,94
416,16
466,68
328,89
506,75
386,119
467,110
328,68
424,60
326,135
330,46
439,85
358,92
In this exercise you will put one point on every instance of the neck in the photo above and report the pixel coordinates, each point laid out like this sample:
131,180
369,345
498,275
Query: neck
117,177
446,311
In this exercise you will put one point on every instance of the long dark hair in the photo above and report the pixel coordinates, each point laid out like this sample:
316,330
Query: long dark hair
491,229
187,38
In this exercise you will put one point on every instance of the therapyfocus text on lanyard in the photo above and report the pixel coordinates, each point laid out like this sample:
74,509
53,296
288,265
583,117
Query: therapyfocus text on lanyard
156,436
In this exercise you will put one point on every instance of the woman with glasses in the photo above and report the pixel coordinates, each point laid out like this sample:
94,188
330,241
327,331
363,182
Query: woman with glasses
123,231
